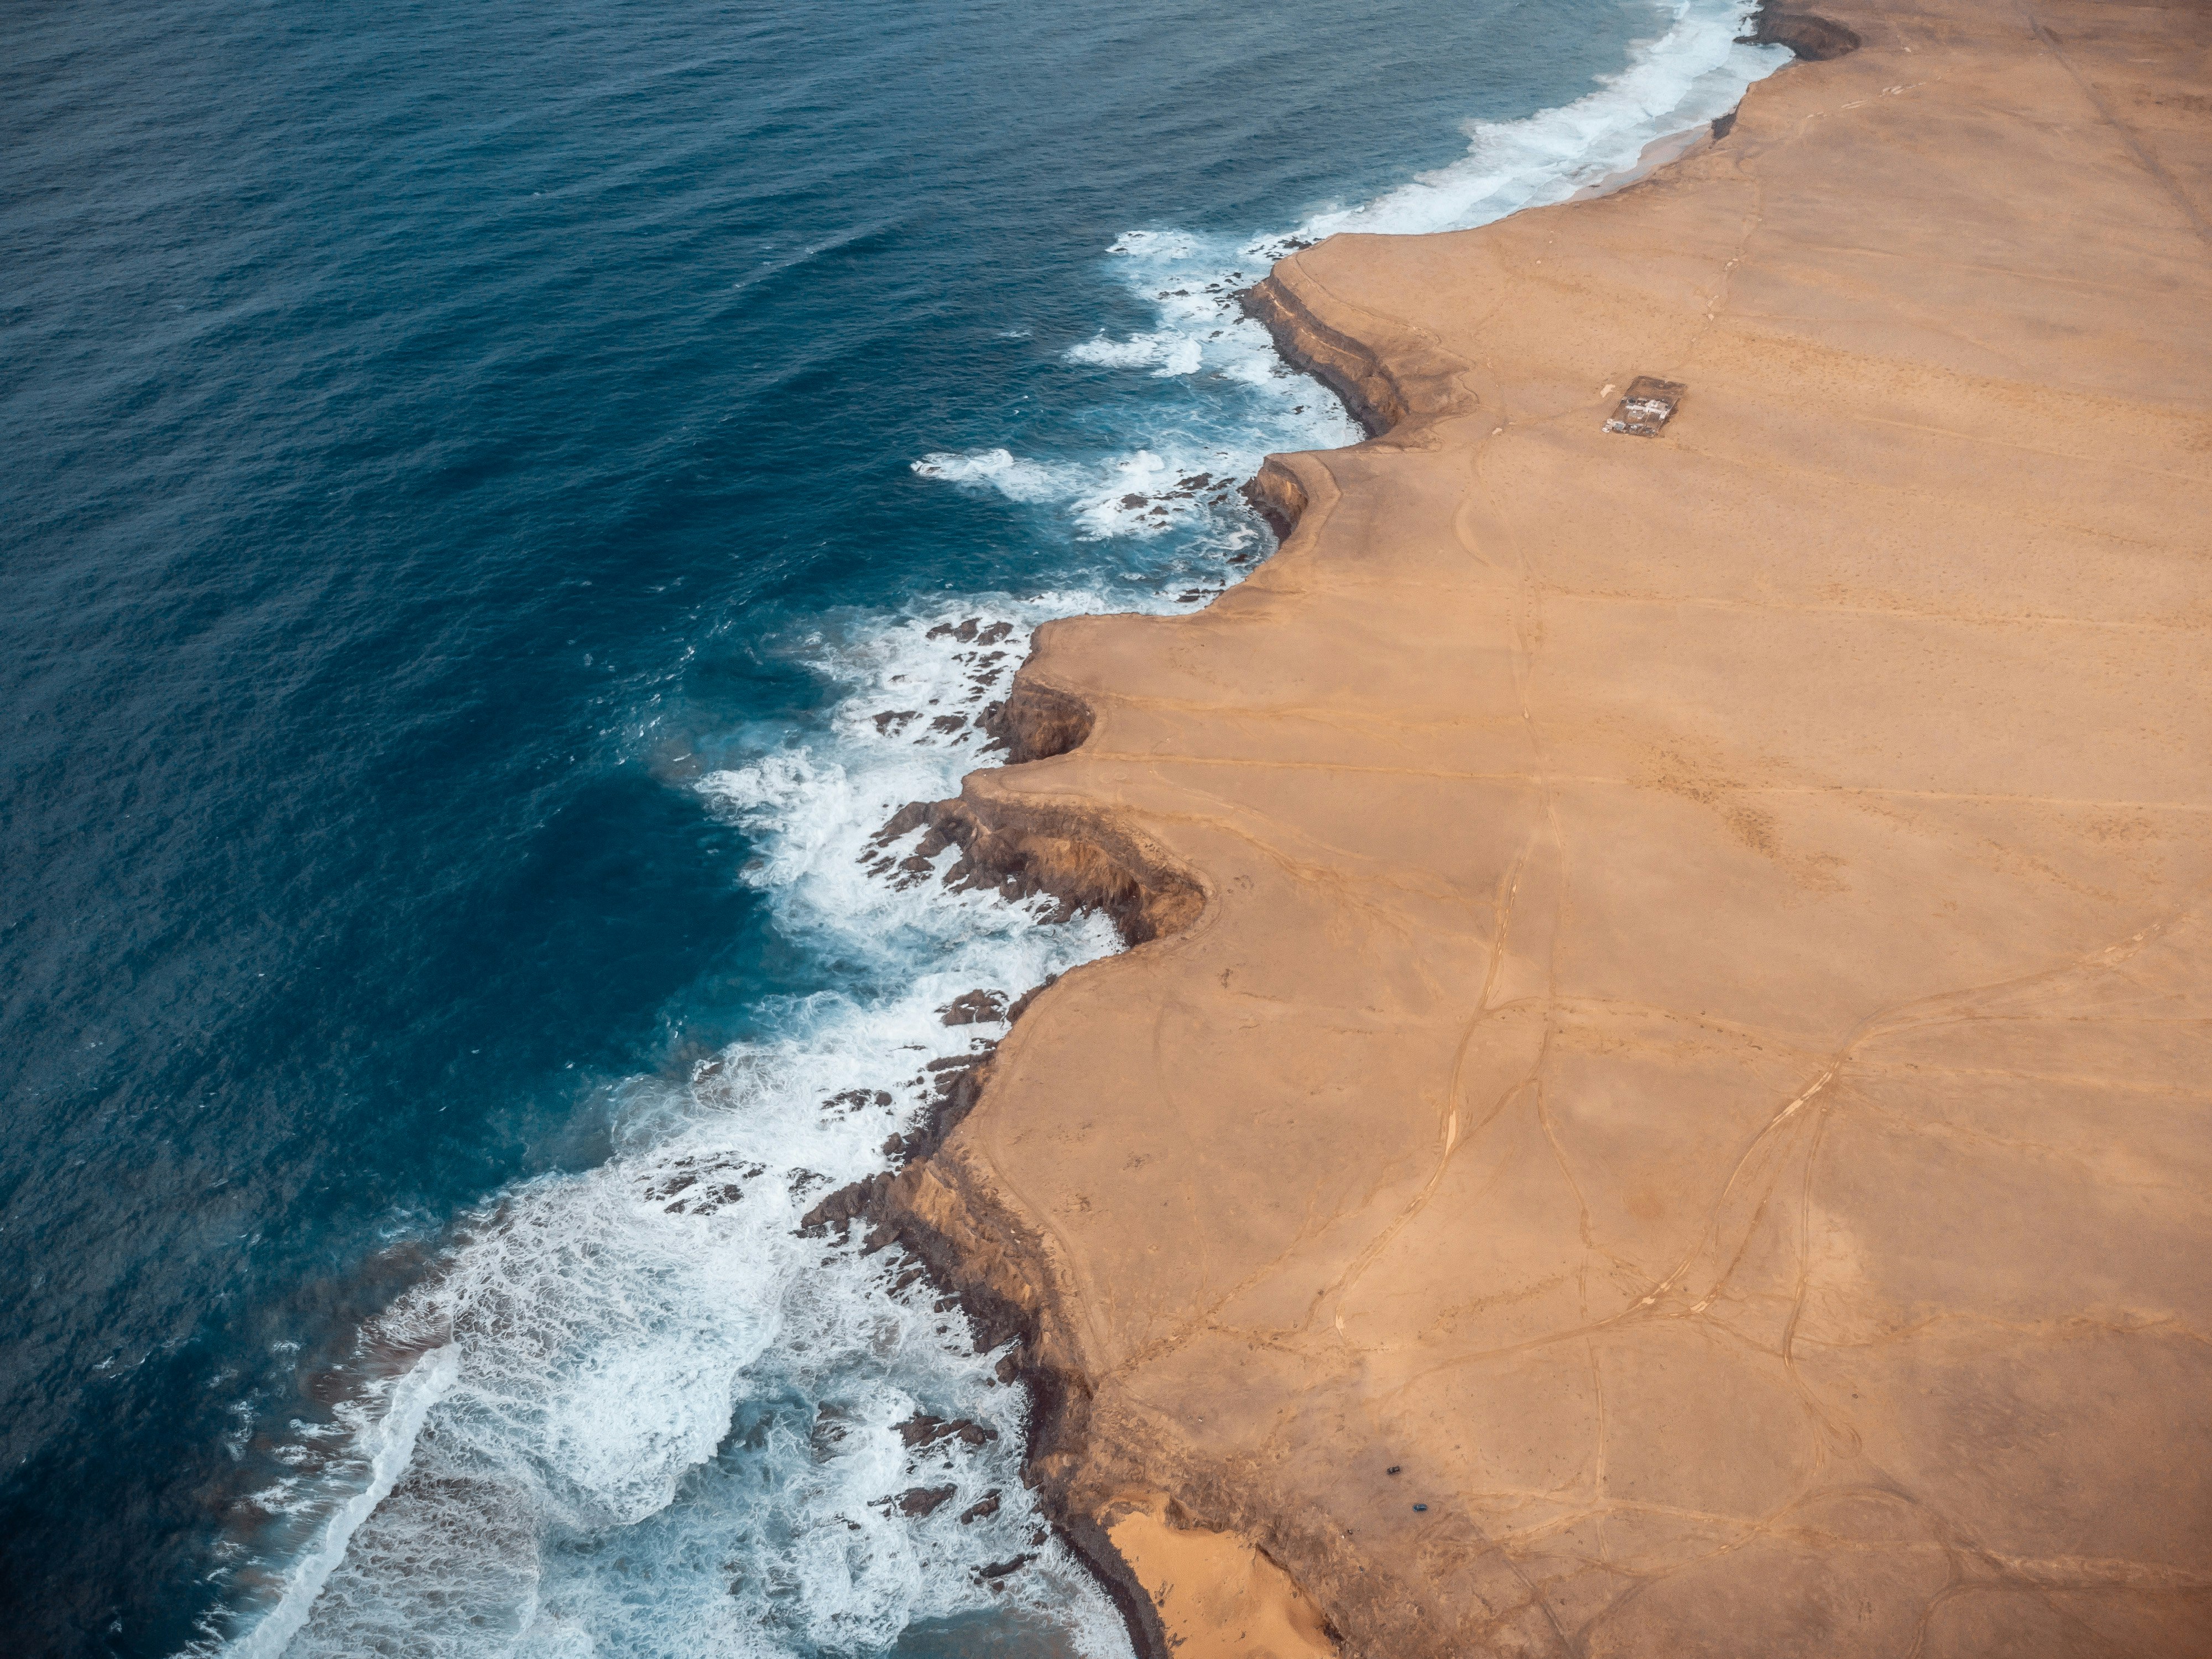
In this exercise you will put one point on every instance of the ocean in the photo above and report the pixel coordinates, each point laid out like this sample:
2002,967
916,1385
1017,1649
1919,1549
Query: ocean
496,499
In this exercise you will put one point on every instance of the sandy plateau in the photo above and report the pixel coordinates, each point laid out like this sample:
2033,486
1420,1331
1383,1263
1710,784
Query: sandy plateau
1669,1111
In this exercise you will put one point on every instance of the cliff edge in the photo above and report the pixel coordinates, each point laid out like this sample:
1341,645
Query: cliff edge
1668,1109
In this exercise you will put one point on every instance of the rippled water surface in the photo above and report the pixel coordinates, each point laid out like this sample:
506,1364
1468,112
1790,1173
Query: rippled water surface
501,501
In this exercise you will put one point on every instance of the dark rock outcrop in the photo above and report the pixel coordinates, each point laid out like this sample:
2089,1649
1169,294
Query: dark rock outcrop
1036,722
1370,391
1816,38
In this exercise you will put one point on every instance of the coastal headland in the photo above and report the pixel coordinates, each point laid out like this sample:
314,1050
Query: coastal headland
1664,1106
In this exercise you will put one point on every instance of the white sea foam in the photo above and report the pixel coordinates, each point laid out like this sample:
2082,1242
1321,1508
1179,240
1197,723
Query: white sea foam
1017,480
384,1442
1186,484
652,1420
648,1419
1133,353
1693,73
1692,70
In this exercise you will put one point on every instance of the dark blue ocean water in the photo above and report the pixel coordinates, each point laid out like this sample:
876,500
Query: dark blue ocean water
473,476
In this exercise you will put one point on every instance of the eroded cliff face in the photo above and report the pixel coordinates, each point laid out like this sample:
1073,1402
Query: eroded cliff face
1660,1105
1391,390
1345,365
951,1214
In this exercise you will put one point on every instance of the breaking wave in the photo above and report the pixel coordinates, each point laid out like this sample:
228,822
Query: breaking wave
1693,73
1233,399
632,1410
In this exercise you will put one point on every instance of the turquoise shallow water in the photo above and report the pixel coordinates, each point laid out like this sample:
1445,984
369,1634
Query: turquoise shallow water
475,477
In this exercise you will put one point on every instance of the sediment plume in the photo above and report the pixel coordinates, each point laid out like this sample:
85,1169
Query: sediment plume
1659,1102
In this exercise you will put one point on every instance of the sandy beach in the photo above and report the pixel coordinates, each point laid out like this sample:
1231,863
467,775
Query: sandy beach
1665,1107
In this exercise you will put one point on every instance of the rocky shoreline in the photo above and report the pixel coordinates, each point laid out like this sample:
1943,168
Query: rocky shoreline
1614,976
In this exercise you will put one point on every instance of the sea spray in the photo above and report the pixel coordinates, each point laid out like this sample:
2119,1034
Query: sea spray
1693,73
665,1423
1233,399
386,1442
648,1351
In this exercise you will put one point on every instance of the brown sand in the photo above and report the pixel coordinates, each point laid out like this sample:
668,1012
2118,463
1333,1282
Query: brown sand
1222,1597
1694,1046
